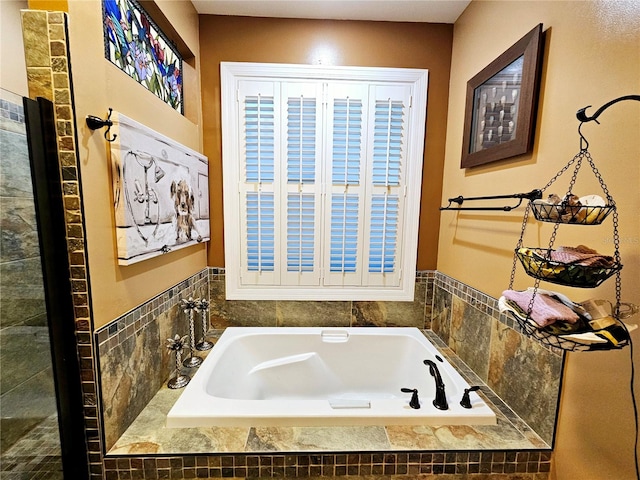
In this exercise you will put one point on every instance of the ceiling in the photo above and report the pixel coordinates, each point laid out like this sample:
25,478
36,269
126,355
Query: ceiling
431,11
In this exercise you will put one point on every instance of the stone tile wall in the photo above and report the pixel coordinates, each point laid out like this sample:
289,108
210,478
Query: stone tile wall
131,347
49,76
25,356
238,313
20,269
132,354
520,370
466,320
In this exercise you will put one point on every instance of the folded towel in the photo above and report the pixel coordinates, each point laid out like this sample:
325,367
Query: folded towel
546,309
581,255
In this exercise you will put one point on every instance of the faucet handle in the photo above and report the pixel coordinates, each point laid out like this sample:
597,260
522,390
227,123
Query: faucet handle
414,402
466,401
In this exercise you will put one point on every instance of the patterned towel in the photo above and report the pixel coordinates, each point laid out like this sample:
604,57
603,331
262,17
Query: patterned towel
546,309
581,255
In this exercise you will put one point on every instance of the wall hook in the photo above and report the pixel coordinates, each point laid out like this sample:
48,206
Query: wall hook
94,123
582,116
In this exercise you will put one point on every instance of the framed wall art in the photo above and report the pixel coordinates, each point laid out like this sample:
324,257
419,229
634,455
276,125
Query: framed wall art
501,104
160,192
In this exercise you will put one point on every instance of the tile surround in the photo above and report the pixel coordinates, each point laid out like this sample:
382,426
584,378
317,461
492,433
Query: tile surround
523,372
148,435
29,441
48,76
133,359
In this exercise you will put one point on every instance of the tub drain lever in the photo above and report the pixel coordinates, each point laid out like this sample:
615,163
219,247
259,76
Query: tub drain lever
414,402
466,401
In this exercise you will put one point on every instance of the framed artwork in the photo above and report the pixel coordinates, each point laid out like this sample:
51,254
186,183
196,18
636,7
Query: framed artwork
501,104
160,192
135,44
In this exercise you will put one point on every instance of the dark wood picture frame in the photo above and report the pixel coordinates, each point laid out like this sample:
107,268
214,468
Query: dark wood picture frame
501,104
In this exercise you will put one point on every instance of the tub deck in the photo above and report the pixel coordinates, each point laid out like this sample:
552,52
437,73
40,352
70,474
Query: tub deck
148,434
309,376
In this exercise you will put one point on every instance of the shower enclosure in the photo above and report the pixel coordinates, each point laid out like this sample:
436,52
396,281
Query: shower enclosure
40,424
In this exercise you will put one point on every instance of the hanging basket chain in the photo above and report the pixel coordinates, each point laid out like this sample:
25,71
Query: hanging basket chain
525,219
527,324
564,169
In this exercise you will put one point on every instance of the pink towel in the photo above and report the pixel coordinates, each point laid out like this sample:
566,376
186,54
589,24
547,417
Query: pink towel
546,309
582,255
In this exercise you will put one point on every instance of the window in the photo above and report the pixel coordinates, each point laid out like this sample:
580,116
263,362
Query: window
322,175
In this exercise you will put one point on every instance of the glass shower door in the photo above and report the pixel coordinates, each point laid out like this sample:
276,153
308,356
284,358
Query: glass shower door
29,431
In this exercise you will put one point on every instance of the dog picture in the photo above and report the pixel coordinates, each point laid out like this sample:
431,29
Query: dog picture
184,202
160,190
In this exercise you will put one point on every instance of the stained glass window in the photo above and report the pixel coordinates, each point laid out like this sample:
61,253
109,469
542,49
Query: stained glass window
135,44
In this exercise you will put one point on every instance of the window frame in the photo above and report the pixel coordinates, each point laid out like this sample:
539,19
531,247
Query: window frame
234,72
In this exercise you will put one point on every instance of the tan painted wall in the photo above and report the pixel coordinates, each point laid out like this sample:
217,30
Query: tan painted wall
592,56
13,72
384,44
98,85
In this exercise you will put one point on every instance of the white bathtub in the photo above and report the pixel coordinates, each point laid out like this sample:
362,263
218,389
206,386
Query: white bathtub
322,376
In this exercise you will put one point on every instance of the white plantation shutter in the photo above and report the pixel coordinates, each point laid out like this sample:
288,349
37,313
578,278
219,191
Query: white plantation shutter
385,199
303,182
328,171
345,169
259,116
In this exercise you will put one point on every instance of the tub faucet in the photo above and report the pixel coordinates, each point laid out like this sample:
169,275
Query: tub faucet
440,402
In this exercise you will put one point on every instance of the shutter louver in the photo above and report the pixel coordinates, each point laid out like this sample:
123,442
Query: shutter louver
259,138
344,203
300,232
344,233
260,232
385,201
387,142
347,141
301,140
302,189
384,233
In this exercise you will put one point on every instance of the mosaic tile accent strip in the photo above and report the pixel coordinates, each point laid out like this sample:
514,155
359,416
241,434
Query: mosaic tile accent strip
48,75
481,301
496,465
132,322
137,46
133,358
508,361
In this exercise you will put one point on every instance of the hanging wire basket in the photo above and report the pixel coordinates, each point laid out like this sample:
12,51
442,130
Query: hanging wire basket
565,336
538,264
563,213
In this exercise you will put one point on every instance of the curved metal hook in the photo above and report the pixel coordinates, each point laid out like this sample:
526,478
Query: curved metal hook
584,145
94,123
582,116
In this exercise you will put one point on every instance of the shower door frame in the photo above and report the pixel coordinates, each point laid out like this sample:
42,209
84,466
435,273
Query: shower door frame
50,216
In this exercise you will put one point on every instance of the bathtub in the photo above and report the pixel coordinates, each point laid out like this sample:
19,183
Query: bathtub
322,376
